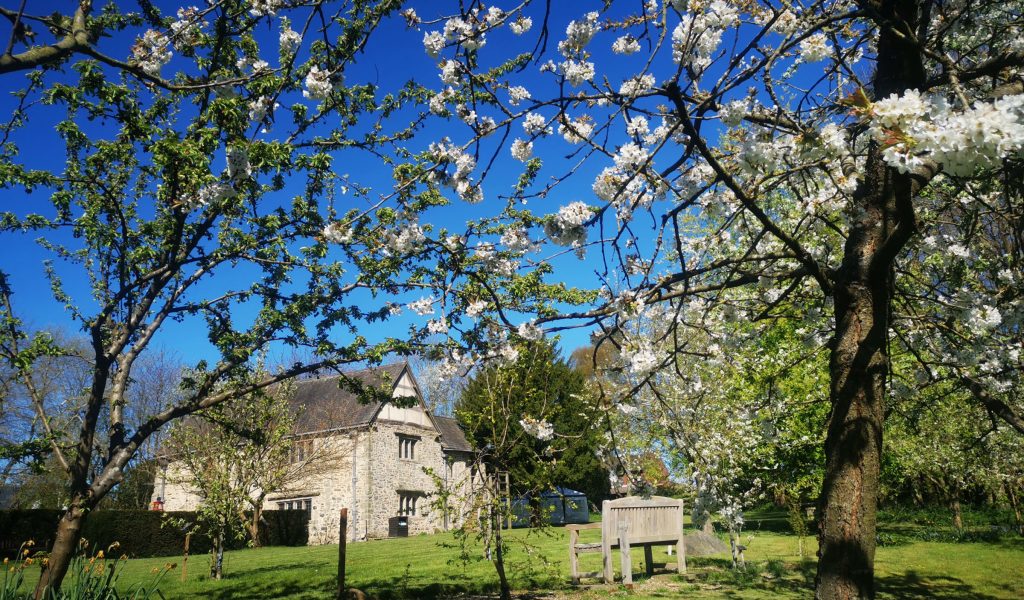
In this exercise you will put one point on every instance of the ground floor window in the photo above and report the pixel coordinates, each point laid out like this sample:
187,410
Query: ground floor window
305,504
407,503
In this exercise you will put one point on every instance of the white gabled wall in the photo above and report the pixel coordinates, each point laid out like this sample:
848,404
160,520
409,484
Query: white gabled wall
414,415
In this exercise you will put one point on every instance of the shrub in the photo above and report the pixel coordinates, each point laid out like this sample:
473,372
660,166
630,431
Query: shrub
142,533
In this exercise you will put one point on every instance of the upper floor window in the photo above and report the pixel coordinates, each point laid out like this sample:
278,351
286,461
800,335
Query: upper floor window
407,447
300,450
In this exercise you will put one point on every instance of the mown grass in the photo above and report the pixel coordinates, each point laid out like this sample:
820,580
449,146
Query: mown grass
537,563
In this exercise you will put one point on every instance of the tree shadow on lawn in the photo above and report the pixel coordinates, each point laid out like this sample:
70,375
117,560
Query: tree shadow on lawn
912,584
798,582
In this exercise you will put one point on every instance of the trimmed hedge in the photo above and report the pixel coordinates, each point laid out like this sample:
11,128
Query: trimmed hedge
142,533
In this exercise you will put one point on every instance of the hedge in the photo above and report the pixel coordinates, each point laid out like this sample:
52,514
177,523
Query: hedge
142,533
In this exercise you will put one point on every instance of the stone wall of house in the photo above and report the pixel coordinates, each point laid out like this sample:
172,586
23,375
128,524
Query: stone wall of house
173,488
461,487
327,482
391,476
362,470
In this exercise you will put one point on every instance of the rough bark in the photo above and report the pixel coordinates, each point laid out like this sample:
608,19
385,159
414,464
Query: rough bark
1016,507
859,362
958,519
217,564
499,560
69,532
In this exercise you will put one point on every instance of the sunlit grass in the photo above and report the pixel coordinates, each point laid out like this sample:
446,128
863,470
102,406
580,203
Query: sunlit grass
430,567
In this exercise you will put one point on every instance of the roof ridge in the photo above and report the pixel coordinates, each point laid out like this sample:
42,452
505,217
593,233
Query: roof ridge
382,367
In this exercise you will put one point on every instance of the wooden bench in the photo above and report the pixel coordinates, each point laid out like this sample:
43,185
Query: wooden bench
629,522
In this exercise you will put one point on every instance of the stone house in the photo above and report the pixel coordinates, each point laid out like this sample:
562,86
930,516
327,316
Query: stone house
385,460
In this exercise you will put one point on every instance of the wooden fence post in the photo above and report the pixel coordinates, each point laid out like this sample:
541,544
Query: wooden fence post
342,538
184,560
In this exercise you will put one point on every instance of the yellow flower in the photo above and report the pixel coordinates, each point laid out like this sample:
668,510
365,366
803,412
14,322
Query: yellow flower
24,552
99,554
30,543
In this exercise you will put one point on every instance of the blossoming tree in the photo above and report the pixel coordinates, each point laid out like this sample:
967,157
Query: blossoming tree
679,149
787,148
195,186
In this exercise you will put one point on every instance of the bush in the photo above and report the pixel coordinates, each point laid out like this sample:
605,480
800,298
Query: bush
142,533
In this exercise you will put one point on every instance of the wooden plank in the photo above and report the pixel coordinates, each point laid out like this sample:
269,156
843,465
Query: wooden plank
574,566
606,541
342,538
626,557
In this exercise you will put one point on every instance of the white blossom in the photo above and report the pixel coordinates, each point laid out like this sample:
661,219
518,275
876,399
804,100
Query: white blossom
424,306
264,8
151,52
289,40
626,44
538,428
576,72
732,113
637,127
634,86
517,94
437,326
578,34
530,331
320,84
337,233
433,43
238,163
535,124
520,25
522,150
211,194
186,30
475,308
260,107
815,48
575,132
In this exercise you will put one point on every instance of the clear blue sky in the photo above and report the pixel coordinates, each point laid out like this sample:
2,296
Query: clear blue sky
394,56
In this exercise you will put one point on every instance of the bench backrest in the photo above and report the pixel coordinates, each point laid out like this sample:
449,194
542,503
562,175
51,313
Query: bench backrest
654,519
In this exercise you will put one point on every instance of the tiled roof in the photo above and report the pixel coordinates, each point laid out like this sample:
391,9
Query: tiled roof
331,403
452,435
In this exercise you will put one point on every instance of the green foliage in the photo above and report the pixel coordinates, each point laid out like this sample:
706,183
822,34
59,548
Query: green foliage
542,386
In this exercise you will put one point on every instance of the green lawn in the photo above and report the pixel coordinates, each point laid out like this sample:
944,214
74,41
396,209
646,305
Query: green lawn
428,567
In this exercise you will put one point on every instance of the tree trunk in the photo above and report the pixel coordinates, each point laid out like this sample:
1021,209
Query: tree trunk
499,563
883,221
254,523
1016,507
853,445
958,520
69,532
217,564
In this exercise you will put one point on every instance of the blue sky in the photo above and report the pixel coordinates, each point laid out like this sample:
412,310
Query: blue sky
394,56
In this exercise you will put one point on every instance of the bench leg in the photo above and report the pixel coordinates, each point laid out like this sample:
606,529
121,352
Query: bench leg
648,560
627,558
